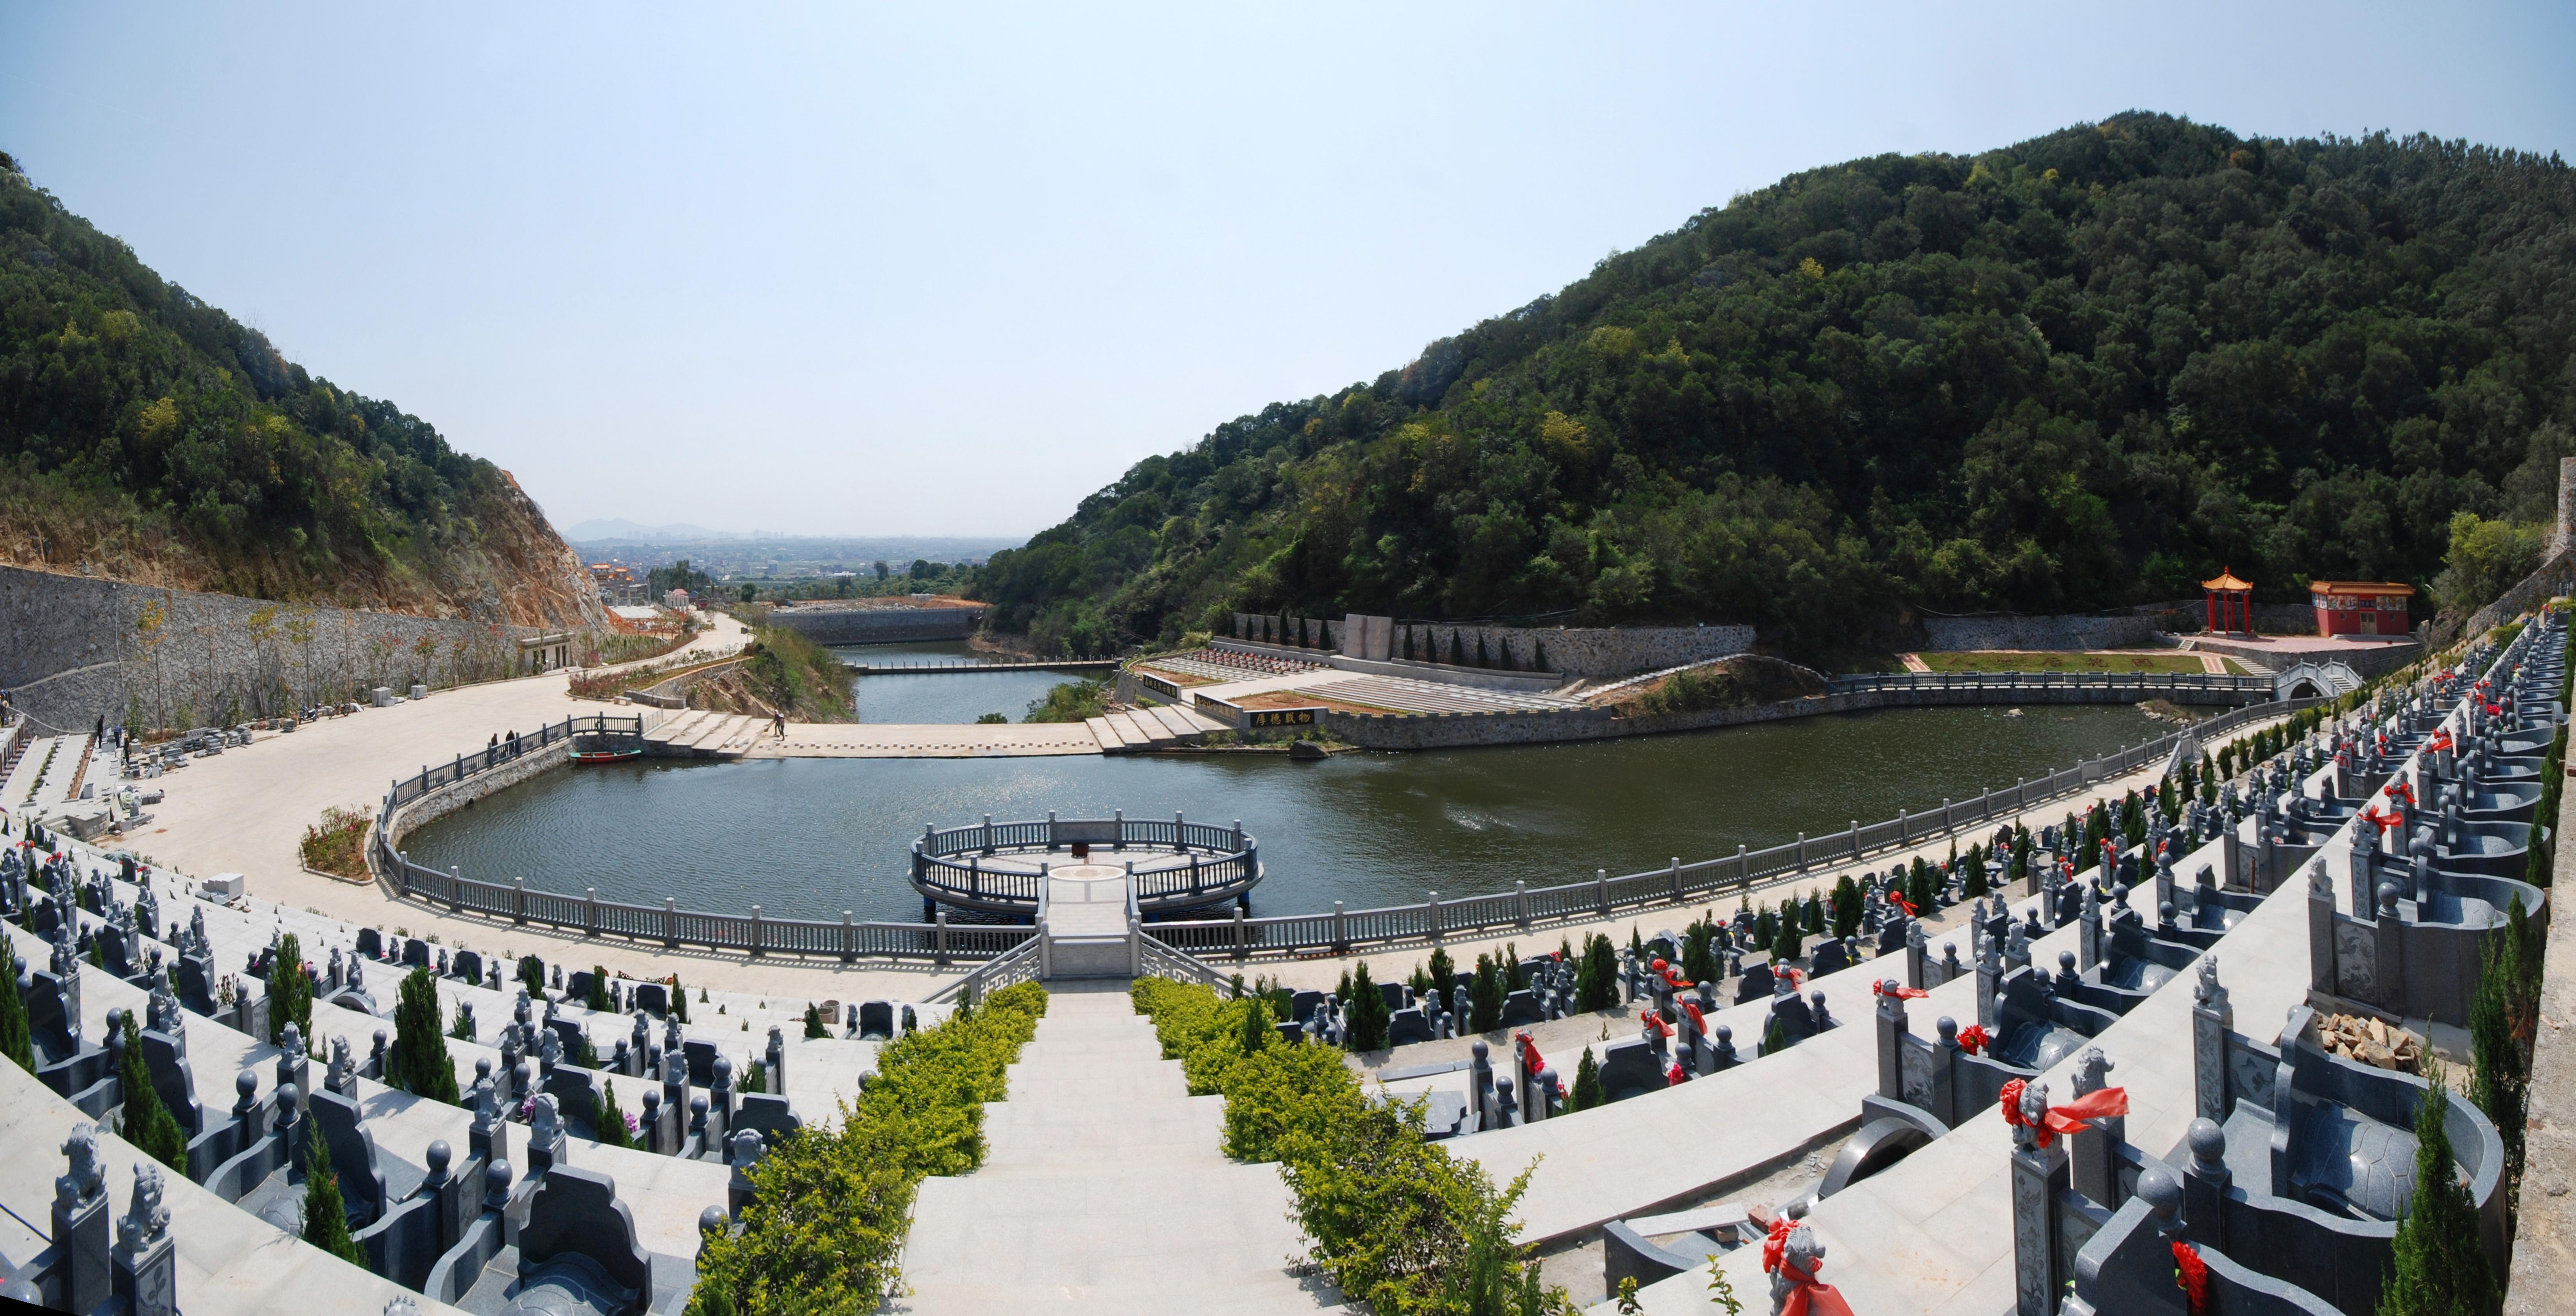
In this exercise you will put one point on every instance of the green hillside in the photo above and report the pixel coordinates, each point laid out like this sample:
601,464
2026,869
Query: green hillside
149,436
2082,371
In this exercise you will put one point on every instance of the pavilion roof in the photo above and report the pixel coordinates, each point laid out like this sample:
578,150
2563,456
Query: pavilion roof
2359,587
2227,582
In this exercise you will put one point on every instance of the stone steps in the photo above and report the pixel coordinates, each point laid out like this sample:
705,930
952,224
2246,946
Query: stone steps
1103,1191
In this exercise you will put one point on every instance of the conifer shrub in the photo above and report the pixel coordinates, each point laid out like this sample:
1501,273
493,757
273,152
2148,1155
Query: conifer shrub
598,996
290,992
814,1021
1485,997
145,1121
609,1122
2438,1267
17,1037
326,1215
419,1063
1365,1013
1587,1083
1596,977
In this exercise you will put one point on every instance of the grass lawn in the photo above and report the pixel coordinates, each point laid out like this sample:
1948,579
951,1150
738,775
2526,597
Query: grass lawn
2156,661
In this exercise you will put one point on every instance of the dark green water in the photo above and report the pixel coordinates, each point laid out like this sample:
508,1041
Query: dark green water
944,696
812,837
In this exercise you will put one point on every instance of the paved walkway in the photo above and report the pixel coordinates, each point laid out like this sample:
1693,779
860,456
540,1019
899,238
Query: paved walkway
2544,1247
1103,1190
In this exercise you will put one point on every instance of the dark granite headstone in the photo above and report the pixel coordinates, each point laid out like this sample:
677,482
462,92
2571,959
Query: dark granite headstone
651,997
1630,1068
466,966
876,1020
1755,985
1407,1026
371,943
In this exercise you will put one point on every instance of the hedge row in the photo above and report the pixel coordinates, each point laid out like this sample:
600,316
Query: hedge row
826,1233
1390,1218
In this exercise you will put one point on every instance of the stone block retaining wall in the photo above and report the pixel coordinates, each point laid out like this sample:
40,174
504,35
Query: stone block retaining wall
77,648
878,625
1950,634
1589,651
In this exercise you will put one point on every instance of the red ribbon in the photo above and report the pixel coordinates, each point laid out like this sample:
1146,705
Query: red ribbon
1903,993
1808,1296
1652,1020
1699,1023
2389,821
1530,1061
1792,975
2073,1117
1973,1039
2403,791
1674,1077
1903,903
2191,1275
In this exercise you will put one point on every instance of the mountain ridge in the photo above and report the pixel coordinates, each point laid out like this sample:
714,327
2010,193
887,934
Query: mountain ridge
2082,371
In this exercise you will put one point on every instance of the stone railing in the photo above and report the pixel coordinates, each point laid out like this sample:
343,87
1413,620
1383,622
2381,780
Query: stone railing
2177,686
417,798
1199,864
1525,908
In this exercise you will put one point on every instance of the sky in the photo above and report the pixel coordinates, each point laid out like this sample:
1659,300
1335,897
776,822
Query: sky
870,270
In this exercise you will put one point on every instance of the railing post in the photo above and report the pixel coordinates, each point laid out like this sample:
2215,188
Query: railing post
1118,828
590,911
1242,948
671,922
1802,852
1520,898
939,920
755,929
1435,917
455,890
849,949
1947,822
1855,838
1743,866
1341,934
1601,889
519,913
1903,837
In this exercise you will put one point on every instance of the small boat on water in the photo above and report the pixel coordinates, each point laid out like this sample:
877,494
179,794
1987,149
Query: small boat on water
606,749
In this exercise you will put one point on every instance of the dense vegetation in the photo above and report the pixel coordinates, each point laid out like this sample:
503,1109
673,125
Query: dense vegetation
154,437
1394,1221
825,1233
2083,371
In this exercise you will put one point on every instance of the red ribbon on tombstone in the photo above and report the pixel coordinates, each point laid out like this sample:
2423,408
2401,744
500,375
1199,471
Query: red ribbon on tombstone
2073,1117
1674,1077
2191,1275
1530,1061
1903,903
1881,988
1808,1296
1655,1021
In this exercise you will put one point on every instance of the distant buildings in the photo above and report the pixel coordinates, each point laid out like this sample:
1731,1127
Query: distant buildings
617,584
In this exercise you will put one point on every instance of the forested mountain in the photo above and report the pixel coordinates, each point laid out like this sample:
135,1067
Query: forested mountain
148,436
2083,371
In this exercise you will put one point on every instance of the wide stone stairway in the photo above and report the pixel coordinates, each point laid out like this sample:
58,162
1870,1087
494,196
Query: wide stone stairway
1104,1190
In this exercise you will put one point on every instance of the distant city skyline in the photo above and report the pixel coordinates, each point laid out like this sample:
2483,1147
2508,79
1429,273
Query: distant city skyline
852,272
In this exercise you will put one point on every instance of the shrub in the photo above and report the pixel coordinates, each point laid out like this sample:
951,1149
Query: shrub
1366,1013
814,1022
2438,1267
17,1039
337,844
290,992
1587,1083
597,999
326,1217
1596,979
608,1124
420,1063
146,1122
1485,997
532,975
826,1232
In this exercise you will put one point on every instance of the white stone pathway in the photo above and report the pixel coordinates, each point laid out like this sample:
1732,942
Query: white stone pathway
1103,1191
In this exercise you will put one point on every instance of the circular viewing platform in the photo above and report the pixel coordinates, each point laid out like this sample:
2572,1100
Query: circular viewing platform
1002,868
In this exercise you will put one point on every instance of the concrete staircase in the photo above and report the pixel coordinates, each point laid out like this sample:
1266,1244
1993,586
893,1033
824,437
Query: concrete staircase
1103,1190
1151,727
703,735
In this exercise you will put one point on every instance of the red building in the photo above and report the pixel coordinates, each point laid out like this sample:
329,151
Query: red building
2360,607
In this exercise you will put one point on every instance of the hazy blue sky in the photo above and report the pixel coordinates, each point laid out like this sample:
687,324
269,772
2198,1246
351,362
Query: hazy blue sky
868,270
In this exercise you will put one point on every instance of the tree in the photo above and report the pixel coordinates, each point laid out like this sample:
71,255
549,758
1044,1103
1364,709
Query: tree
326,1216
1596,978
2486,558
145,1121
290,992
1257,1030
532,975
747,591
2438,1267
608,1126
1587,1083
1789,946
1444,973
814,1021
421,1065
597,996
1368,1014
1486,997
679,1000
2502,1017
17,1040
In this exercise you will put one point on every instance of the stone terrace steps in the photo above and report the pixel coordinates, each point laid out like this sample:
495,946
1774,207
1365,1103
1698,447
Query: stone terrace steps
1152,727
700,734
1103,1191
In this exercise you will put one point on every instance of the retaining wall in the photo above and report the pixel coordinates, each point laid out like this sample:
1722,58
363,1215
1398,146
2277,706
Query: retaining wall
1593,651
77,648
1951,634
878,625
448,799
